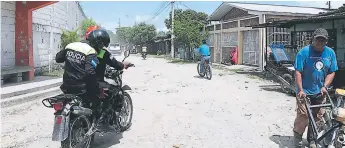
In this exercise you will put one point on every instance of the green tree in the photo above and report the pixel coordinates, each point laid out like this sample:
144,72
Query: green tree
161,33
143,34
124,35
69,37
188,27
86,24
139,34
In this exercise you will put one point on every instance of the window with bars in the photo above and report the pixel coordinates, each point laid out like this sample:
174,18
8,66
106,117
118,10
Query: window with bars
230,25
218,27
249,22
210,28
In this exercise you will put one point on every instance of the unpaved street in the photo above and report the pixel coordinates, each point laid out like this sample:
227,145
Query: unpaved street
172,106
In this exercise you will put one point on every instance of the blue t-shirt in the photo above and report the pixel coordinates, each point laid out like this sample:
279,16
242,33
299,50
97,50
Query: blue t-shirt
204,50
315,66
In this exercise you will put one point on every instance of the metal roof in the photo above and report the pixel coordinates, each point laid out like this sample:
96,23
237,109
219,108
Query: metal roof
225,7
335,15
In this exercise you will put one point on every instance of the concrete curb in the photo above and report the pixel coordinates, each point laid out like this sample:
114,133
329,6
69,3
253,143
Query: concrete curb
29,97
20,89
29,90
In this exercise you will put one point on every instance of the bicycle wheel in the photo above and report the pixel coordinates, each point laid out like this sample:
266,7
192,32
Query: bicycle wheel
200,74
208,72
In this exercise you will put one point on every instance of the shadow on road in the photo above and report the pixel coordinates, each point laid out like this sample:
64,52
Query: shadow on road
199,77
275,88
285,141
107,140
263,75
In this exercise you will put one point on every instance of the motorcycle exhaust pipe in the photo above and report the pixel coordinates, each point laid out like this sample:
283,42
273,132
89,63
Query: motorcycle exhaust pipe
78,110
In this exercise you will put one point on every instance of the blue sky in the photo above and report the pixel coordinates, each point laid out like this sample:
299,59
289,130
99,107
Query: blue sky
107,13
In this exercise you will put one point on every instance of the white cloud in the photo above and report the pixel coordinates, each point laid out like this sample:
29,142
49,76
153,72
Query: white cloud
321,4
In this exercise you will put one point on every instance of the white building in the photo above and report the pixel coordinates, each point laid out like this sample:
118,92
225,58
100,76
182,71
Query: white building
47,25
233,29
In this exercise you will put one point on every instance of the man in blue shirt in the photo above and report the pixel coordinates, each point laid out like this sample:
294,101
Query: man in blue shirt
315,69
204,50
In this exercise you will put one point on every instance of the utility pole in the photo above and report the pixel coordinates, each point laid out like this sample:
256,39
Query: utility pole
329,5
119,23
172,29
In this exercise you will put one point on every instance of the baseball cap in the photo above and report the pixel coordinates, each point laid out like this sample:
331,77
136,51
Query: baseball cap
320,32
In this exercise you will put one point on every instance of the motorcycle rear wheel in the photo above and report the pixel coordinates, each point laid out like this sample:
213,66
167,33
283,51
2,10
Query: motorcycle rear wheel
68,142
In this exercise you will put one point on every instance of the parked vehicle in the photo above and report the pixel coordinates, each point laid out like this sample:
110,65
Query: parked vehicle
331,133
74,125
114,49
281,67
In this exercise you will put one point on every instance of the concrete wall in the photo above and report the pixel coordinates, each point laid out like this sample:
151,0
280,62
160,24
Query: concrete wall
47,25
338,24
7,33
220,43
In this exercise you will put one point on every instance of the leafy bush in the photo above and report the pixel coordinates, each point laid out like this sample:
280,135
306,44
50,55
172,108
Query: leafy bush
86,24
69,37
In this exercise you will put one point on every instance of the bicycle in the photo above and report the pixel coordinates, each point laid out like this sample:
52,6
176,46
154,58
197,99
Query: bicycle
207,70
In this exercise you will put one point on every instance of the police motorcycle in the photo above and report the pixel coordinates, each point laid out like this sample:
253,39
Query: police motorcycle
74,125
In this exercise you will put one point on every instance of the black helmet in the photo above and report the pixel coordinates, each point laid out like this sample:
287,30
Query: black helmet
98,39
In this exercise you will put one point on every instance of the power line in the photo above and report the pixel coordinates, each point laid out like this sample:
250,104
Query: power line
200,22
160,11
184,5
177,6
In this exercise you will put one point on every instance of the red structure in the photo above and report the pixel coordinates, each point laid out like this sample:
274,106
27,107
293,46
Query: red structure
23,34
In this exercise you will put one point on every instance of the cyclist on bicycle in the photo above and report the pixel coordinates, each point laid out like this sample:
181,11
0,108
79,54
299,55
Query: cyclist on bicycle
204,50
315,69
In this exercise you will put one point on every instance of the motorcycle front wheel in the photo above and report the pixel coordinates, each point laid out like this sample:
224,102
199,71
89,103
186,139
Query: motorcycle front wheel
124,120
78,128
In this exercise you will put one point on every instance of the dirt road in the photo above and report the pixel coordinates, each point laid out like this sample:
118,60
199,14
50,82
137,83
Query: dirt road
172,106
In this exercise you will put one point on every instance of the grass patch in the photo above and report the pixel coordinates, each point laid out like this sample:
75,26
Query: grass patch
55,73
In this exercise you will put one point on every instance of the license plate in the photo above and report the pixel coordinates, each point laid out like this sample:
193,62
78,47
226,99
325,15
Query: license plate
339,91
61,128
